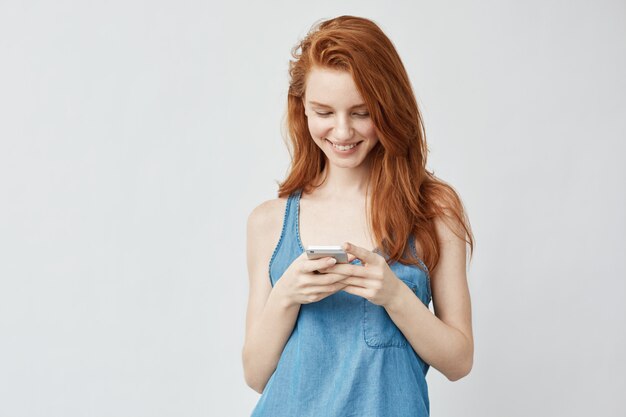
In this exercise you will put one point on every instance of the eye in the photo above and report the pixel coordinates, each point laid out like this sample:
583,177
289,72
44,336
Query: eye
322,114
362,114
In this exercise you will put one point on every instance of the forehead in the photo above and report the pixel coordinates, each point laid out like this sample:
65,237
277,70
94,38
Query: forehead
332,87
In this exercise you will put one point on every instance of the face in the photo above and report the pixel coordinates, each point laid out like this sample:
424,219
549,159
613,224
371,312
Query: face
337,117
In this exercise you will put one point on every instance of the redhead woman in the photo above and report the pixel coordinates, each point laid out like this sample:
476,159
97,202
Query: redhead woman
355,338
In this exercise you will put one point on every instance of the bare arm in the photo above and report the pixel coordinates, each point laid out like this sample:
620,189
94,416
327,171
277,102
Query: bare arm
272,312
443,340
270,318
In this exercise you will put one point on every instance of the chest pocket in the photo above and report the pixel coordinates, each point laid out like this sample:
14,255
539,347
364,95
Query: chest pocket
378,328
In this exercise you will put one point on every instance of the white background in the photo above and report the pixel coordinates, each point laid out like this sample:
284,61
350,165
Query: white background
137,136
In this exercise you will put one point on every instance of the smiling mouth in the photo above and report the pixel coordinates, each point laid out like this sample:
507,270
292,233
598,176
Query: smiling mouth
344,147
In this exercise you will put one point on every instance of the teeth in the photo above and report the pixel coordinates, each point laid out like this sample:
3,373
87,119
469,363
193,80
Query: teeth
344,148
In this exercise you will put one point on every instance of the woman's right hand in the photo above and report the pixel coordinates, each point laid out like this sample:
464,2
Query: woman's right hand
301,284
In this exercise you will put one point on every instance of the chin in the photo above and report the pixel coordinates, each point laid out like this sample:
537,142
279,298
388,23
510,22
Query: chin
341,163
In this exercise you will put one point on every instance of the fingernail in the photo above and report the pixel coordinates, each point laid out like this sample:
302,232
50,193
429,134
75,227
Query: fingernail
332,260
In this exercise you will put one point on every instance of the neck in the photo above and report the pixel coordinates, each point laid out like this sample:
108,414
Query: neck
344,182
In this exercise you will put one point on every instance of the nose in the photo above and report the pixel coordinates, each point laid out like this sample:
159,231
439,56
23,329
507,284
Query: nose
343,129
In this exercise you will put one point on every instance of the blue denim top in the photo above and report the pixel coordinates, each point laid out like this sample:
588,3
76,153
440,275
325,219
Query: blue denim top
345,356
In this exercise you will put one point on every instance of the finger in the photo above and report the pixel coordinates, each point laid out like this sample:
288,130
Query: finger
328,279
358,282
327,289
349,270
361,253
316,264
326,270
361,292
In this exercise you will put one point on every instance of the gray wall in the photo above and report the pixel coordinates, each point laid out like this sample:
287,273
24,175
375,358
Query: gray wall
136,137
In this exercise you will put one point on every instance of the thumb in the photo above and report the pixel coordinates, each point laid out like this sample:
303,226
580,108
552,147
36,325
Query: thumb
320,264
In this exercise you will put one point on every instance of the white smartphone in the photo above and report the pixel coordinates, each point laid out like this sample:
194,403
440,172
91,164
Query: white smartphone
317,252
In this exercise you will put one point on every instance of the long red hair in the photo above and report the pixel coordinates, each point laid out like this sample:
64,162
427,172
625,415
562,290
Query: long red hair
406,197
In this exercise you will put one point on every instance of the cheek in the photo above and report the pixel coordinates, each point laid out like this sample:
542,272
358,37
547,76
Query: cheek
317,128
368,130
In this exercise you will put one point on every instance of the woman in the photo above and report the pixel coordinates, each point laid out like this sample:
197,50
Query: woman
326,339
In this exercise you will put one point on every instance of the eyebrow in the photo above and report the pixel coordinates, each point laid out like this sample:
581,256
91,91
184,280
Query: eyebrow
315,103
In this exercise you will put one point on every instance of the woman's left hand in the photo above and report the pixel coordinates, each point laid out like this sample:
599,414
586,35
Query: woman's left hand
372,280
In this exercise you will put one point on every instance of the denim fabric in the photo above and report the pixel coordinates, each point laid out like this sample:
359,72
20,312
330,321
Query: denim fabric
345,356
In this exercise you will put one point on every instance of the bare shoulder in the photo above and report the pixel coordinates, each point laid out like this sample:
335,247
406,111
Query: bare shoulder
263,233
267,217
449,226
450,292
448,229
264,226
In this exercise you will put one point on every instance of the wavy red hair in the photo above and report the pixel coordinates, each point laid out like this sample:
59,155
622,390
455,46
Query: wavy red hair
406,197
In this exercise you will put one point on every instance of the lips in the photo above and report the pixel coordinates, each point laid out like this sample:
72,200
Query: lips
344,144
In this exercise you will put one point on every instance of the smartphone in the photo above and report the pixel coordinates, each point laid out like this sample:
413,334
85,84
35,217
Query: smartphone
317,252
